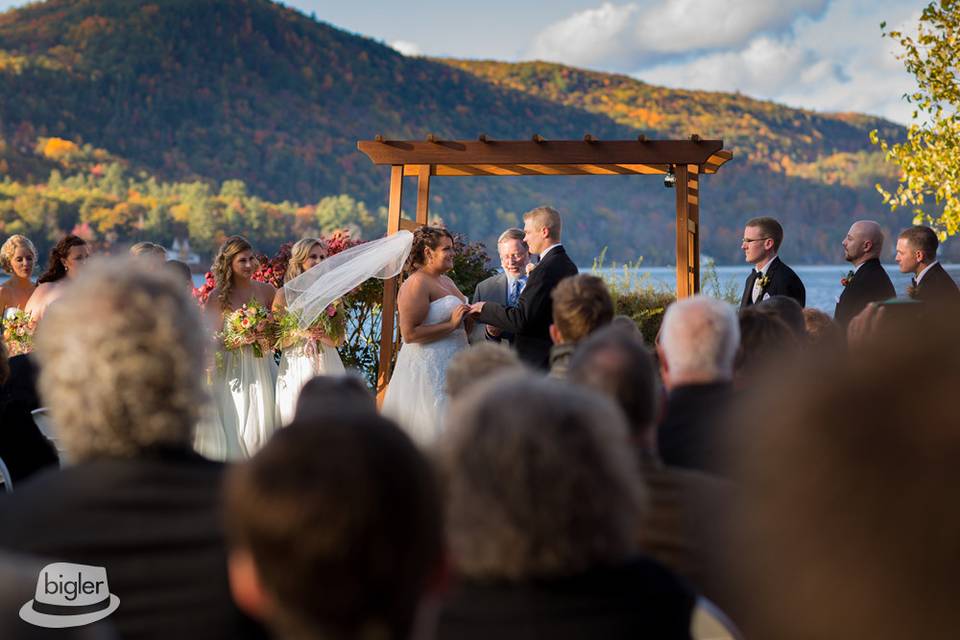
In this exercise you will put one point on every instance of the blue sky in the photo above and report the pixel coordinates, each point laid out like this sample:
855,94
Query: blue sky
826,55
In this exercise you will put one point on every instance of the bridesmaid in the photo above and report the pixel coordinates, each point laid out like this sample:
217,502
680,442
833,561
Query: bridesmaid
17,258
308,358
66,260
244,388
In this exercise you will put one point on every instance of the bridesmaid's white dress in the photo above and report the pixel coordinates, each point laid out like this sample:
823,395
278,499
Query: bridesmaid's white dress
300,363
416,397
244,395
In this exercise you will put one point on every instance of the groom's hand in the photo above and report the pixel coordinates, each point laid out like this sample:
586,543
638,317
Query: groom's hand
476,307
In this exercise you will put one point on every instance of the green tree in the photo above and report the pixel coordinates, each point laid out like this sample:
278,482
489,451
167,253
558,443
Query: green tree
928,158
343,211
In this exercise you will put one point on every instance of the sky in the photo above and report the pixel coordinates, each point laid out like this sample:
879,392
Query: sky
826,55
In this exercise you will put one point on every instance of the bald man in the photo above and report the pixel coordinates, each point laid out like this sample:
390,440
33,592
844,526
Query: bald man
867,282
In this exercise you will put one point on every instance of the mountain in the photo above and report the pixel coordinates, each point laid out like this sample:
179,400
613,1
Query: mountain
203,92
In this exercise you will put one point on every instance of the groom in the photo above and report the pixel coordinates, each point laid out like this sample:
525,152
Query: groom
530,319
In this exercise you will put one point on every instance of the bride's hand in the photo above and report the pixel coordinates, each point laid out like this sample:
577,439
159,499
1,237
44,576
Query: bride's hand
458,314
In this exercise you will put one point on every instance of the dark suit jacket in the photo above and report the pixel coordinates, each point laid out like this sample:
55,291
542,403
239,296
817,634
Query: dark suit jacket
870,284
783,282
530,320
154,524
638,599
493,289
937,287
690,433
22,447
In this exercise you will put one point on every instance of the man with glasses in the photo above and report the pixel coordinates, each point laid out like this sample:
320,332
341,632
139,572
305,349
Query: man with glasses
503,288
770,276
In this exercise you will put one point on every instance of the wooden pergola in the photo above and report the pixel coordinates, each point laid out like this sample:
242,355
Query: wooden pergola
686,159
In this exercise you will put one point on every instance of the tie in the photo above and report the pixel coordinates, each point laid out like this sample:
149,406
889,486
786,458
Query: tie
515,292
913,282
755,290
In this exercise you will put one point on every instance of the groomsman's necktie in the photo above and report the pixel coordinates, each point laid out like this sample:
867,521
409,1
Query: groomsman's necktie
755,290
913,282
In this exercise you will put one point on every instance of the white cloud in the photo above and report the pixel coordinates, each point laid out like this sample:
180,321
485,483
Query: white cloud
406,48
835,63
622,36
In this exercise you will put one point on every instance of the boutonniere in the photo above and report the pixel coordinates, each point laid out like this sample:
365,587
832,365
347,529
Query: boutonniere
530,267
763,280
847,279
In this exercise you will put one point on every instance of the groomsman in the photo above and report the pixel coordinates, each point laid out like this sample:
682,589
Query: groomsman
917,254
868,281
770,277
532,316
503,288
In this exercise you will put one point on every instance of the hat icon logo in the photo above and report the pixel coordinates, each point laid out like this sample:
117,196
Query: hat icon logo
70,595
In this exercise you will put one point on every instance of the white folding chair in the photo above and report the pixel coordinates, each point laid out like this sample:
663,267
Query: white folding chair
5,475
41,418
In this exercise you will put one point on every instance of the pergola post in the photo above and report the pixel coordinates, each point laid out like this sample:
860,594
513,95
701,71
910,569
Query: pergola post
688,229
389,307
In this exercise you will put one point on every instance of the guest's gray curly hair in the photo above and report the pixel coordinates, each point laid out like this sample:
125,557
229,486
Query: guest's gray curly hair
540,480
121,361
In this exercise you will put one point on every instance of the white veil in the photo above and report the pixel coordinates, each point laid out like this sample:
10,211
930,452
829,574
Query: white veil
309,294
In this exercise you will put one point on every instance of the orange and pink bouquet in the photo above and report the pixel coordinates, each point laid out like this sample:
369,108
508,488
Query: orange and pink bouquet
18,330
252,324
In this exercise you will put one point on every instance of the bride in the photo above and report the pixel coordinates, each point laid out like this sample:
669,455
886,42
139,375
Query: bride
432,313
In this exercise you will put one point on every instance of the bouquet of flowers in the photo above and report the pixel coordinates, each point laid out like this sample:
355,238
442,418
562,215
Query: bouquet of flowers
18,332
332,323
252,325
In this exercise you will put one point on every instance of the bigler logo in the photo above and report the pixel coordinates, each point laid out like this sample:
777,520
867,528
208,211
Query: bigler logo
70,595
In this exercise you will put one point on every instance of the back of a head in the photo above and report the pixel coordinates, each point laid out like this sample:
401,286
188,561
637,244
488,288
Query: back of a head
699,336
847,527
149,250
181,270
122,360
479,362
343,523
822,330
540,480
581,305
790,311
614,362
765,340
324,397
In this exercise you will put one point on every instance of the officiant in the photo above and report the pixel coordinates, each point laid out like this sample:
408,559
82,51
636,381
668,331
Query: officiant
503,288
530,318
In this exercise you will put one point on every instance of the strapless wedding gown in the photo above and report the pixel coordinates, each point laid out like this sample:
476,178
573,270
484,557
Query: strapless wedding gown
298,365
415,397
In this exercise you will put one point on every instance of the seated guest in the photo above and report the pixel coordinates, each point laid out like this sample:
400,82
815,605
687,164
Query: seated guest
544,500
765,342
503,288
477,363
182,271
698,343
917,254
149,250
686,507
121,371
868,281
23,448
581,305
346,393
335,530
849,480
627,323
822,331
790,311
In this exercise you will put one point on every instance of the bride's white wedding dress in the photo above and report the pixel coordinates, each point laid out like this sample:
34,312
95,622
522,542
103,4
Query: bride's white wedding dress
415,397
298,365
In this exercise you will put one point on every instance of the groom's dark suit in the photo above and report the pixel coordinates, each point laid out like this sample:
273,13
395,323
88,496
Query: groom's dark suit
530,320
783,282
869,284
